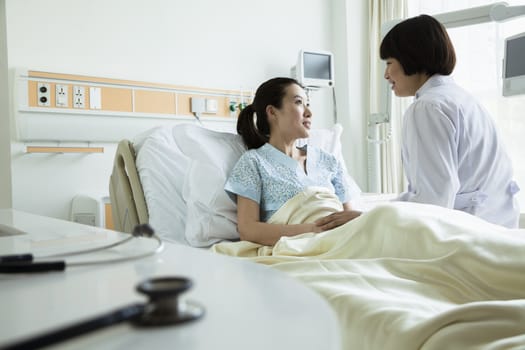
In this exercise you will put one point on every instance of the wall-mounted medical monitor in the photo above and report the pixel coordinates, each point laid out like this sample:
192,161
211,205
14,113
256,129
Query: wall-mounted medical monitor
314,69
514,65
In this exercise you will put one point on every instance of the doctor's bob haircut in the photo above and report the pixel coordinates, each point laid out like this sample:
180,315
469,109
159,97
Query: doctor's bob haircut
252,123
421,45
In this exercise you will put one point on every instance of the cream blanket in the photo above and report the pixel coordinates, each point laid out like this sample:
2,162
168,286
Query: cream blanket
406,276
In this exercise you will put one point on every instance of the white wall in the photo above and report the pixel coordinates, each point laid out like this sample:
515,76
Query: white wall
228,44
5,159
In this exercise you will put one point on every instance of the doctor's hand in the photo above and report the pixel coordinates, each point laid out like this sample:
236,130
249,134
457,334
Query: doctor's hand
336,219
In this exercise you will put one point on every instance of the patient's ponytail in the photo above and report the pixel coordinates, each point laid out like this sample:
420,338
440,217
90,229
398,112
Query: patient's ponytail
251,135
253,123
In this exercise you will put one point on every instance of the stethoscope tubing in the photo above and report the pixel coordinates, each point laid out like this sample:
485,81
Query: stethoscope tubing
29,257
24,263
90,250
27,267
123,314
158,249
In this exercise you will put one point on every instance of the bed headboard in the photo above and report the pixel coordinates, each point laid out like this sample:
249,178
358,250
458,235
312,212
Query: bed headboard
128,205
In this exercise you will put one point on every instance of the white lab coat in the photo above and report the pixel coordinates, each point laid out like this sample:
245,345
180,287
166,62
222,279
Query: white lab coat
453,156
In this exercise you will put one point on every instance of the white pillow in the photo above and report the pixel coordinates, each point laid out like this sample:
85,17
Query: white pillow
328,139
183,169
162,166
211,215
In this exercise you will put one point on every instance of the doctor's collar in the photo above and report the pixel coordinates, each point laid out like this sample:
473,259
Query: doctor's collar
433,81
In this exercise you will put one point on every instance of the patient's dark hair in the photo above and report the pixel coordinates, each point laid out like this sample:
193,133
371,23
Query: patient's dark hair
255,129
421,45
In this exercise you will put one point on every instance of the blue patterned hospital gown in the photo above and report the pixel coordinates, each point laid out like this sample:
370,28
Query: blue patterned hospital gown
270,177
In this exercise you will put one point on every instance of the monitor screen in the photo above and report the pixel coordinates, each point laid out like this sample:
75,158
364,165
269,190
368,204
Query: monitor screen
514,65
317,66
314,69
515,57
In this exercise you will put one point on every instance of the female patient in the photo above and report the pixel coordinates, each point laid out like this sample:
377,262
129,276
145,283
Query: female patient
452,153
273,170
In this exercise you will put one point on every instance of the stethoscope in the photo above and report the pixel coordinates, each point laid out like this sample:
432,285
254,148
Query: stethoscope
27,263
162,309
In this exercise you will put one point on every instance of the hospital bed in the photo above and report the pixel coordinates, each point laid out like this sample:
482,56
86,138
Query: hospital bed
401,276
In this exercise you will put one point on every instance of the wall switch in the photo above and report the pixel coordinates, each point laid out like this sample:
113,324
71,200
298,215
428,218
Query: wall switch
61,95
211,105
43,94
95,98
79,97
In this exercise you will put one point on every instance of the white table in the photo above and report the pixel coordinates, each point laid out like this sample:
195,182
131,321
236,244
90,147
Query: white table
248,306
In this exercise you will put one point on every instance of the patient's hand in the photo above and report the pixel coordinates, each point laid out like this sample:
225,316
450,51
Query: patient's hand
336,219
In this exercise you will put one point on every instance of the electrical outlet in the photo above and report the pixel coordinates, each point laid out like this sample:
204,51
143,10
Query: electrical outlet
43,94
79,99
61,95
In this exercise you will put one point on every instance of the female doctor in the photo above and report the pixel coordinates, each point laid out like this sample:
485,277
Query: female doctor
451,151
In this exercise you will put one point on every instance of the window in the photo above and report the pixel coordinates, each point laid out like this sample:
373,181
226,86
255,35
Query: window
479,53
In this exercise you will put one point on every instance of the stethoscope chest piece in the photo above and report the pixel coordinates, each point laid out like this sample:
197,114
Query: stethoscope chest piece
164,306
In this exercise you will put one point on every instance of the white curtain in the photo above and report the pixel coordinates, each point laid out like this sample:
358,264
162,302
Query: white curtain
384,139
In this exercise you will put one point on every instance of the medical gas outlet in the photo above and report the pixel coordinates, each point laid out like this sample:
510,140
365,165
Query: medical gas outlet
233,106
